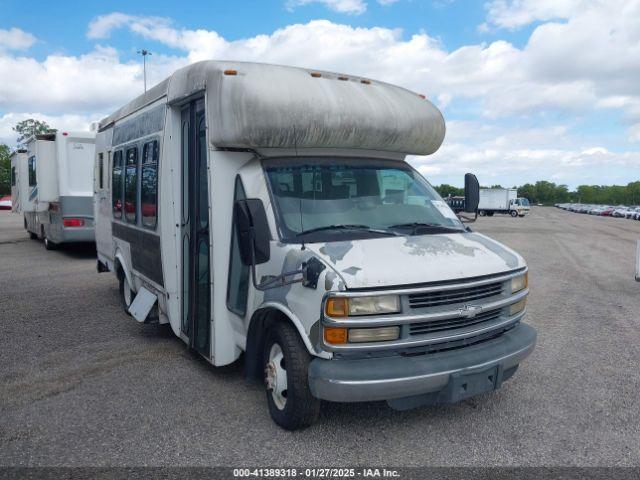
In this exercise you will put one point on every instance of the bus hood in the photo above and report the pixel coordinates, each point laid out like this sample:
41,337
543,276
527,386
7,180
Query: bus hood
406,260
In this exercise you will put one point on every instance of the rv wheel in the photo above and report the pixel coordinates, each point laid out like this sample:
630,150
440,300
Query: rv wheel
286,361
126,294
49,245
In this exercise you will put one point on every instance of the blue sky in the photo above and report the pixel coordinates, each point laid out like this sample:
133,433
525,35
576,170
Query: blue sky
530,89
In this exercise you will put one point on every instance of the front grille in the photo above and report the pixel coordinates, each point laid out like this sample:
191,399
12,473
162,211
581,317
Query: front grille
452,323
458,295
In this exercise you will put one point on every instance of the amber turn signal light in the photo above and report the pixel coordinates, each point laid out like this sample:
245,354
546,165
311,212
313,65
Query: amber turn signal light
335,335
230,72
337,307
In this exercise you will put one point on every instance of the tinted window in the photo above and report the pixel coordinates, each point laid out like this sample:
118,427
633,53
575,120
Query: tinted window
100,171
238,286
149,185
130,185
13,176
116,185
32,171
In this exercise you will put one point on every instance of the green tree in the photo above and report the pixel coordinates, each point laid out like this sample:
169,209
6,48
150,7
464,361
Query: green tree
29,127
445,190
5,169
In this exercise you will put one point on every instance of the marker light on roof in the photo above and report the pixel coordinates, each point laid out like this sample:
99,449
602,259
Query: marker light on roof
316,74
230,72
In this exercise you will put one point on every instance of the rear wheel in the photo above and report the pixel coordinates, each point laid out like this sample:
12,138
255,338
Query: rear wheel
33,236
286,361
49,245
490,214
482,213
126,294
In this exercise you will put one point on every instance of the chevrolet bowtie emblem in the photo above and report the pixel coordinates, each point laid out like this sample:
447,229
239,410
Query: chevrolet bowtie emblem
470,311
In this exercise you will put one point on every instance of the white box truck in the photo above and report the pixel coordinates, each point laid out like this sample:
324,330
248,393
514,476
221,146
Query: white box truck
502,200
270,210
59,207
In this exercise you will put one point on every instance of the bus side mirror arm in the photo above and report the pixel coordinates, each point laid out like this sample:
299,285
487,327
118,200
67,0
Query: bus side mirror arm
252,230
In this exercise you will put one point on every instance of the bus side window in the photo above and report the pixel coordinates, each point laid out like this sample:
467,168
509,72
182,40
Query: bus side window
238,282
116,185
149,185
131,185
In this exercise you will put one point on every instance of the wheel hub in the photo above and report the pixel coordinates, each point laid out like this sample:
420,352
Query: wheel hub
276,376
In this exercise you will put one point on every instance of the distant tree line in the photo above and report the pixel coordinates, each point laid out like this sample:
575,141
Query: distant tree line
548,193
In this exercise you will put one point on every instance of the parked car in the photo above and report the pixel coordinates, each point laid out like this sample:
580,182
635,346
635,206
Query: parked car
5,202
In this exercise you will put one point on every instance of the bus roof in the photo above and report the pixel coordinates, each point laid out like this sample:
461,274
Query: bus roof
254,105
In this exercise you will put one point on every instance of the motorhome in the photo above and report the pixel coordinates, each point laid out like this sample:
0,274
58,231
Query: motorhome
19,191
502,200
59,204
270,210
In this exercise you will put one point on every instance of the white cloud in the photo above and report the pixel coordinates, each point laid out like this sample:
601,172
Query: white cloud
585,65
354,7
386,3
513,14
15,39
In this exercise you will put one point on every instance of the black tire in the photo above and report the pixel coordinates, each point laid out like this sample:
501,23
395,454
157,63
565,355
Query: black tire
301,409
490,214
514,214
482,213
124,284
49,245
33,236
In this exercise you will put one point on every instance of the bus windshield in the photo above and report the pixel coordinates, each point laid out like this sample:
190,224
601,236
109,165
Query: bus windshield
320,199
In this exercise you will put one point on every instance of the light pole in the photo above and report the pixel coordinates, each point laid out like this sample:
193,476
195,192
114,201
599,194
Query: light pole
144,54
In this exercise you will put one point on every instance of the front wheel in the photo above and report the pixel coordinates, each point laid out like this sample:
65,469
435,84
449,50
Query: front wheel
482,213
286,361
514,214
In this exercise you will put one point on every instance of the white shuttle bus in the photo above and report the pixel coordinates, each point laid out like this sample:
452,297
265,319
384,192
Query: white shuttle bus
269,210
19,186
59,203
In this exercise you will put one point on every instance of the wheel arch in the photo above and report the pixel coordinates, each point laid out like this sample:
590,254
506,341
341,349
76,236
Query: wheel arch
121,267
261,320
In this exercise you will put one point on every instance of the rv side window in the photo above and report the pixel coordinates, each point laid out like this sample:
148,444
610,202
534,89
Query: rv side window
13,176
131,185
238,285
149,185
100,171
116,185
32,171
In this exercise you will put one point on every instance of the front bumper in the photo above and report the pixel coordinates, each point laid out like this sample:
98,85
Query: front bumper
443,377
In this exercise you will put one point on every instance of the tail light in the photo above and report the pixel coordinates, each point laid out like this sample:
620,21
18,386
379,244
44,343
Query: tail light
73,222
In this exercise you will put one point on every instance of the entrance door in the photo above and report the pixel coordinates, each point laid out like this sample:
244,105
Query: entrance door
196,300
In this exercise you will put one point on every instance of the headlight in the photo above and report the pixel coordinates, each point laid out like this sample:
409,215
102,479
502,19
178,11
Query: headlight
356,306
519,283
517,307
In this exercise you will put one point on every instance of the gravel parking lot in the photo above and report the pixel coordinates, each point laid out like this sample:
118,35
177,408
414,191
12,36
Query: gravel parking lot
84,384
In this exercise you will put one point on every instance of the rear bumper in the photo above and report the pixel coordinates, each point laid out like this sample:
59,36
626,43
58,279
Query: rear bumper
77,235
443,377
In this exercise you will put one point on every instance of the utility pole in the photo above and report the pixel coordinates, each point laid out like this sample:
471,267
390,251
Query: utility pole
144,54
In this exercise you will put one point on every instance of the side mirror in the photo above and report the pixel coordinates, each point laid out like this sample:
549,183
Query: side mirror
252,229
471,193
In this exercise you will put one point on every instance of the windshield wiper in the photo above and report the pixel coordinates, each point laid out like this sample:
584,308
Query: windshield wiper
365,228
430,227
